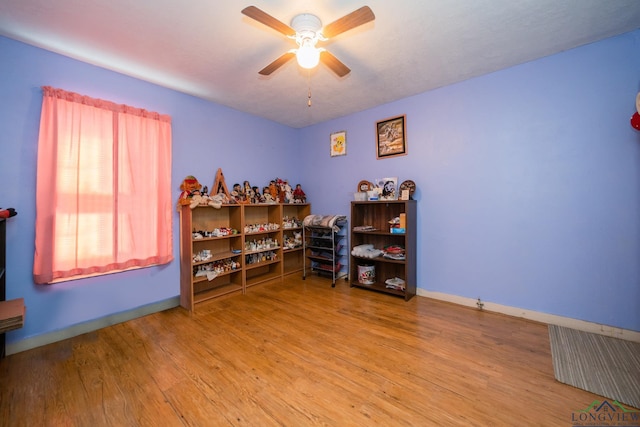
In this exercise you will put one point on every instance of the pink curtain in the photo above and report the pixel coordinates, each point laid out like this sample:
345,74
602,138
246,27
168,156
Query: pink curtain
103,196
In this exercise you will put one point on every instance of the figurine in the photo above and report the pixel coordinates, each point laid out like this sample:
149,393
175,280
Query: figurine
257,197
273,190
288,192
298,195
238,194
248,192
192,196
281,186
266,196
203,199
222,198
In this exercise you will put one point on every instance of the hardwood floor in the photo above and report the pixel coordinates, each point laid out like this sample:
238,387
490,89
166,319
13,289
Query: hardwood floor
295,353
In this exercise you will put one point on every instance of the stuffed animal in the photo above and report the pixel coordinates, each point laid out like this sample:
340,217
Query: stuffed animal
188,187
221,198
203,199
192,196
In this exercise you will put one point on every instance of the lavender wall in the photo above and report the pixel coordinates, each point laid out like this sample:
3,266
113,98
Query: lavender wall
529,182
206,137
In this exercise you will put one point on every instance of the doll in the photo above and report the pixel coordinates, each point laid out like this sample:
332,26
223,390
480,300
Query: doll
298,195
248,192
257,197
237,194
287,193
201,198
273,190
266,196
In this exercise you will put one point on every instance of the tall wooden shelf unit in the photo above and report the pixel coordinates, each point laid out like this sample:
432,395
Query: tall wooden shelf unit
197,236
377,214
228,250
262,244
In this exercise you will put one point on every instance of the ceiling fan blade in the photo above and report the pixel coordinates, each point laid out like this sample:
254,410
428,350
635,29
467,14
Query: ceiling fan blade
334,63
347,22
283,59
268,20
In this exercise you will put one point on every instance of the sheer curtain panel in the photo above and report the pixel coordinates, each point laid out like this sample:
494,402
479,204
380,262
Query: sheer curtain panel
103,196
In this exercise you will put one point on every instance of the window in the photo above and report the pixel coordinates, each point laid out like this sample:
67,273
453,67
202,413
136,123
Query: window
103,197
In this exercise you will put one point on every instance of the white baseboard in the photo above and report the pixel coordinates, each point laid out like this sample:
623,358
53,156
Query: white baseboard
90,326
537,316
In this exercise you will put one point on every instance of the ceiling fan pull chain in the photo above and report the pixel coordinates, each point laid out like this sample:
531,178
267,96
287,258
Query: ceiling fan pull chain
309,86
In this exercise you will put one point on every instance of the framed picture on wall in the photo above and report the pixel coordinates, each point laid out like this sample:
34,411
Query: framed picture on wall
339,143
391,137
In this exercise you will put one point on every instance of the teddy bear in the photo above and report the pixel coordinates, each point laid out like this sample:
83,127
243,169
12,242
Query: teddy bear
188,186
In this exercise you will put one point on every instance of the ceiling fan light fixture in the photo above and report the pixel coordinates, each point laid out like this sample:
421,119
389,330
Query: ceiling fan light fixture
307,54
307,30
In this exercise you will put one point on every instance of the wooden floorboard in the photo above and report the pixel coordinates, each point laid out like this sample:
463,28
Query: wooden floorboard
295,353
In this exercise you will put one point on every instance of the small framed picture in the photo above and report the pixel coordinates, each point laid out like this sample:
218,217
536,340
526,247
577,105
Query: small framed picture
391,137
388,188
339,143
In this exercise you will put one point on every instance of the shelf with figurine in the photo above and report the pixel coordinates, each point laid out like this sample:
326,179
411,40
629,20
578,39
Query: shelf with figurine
261,245
385,189
214,269
261,228
383,246
215,233
260,258
292,240
277,191
293,215
237,239
211,242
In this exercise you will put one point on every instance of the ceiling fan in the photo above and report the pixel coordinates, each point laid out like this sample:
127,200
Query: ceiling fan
306,29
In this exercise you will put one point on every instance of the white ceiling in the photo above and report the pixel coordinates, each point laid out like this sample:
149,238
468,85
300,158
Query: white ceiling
208,49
